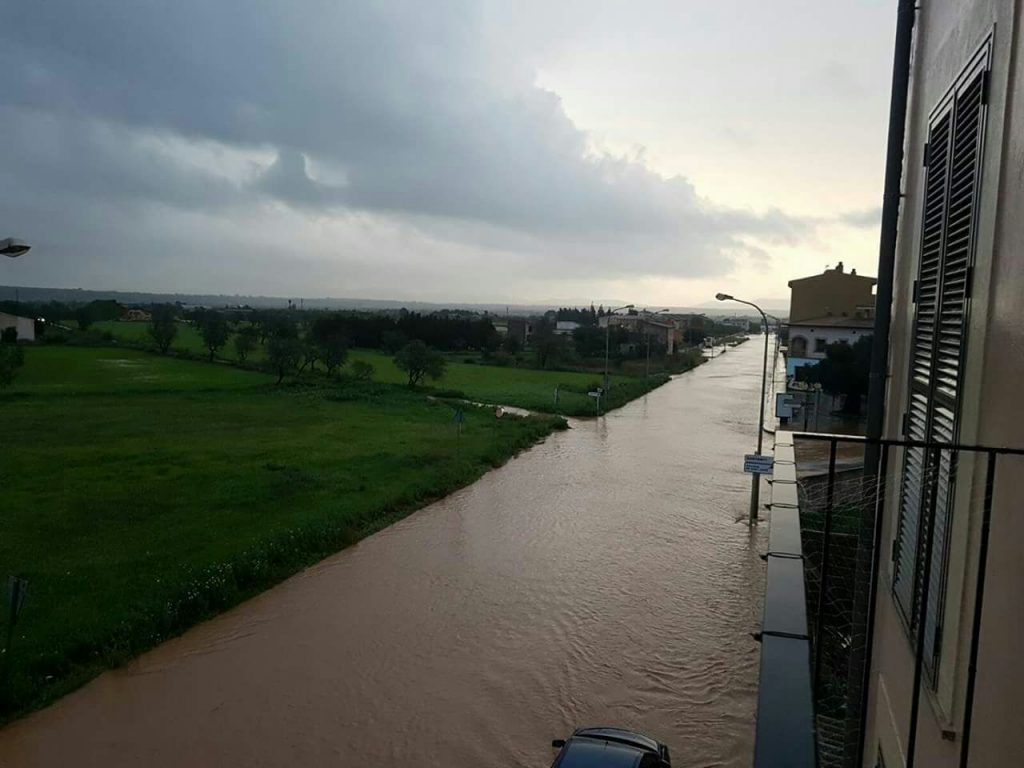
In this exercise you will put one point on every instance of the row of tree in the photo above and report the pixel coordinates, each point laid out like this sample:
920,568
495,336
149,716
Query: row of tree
291,348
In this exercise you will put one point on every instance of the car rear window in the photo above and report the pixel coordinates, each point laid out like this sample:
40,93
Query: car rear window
587,753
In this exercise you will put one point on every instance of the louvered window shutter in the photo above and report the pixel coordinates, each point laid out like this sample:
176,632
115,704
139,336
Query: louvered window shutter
952,185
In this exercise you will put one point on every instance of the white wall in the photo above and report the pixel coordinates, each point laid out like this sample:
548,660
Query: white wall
811,334
26,326
830,335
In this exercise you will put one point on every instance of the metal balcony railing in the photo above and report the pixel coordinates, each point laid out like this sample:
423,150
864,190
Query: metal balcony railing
824,558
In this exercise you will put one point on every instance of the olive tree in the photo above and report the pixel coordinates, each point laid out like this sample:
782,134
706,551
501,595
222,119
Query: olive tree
245,342
163,327
284,351
214,329
420,361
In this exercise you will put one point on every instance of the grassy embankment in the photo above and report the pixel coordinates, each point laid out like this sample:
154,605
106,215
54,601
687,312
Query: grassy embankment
522,387
142,494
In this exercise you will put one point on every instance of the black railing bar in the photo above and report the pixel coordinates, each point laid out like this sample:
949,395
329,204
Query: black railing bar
979,597
907,443
921,609
872,602
773,481
784,635
782,505
823,580
784,555
834,535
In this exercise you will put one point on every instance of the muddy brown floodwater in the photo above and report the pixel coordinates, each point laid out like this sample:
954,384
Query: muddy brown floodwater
605,577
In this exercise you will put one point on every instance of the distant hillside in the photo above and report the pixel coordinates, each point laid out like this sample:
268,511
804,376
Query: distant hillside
82,296
775,306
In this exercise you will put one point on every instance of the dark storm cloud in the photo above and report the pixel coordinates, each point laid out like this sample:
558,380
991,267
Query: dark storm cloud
407,108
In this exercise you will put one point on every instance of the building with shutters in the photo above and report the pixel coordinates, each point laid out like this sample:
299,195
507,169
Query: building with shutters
955,367
894,604
833,307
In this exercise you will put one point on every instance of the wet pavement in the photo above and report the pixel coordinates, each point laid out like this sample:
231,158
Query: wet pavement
605,577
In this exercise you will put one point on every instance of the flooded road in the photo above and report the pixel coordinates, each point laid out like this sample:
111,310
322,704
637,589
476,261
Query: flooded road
604,577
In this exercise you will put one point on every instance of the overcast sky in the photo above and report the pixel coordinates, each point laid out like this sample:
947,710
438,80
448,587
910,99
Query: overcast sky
654,151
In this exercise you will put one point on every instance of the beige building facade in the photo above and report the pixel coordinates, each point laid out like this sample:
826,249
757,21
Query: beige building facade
835,293
955,371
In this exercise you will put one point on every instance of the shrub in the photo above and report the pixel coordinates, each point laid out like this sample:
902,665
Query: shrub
12,357
362,370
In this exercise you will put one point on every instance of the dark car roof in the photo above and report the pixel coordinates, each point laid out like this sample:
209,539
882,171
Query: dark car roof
585,752
618,735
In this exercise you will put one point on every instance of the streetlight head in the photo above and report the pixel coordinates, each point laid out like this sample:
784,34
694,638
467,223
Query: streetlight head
13,247
723,296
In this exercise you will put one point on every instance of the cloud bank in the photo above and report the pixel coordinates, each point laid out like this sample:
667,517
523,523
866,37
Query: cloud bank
359,143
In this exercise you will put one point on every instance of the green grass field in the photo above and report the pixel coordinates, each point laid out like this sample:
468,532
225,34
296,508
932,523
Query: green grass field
142,494
80,370
522,387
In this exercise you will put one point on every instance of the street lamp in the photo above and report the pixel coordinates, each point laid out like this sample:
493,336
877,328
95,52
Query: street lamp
607,339
755,485
13,247
647,370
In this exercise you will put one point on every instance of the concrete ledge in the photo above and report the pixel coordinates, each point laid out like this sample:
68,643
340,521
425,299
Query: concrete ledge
785,707
785,714
784,534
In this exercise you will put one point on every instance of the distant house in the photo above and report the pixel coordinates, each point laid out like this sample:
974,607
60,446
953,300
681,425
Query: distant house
26,326
662,330
566,327
833,307
521,329
136,316
740,323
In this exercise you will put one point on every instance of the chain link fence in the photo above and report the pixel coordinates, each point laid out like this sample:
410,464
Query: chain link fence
835,544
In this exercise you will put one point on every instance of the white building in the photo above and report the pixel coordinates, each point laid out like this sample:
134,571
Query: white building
566,327
809,339
26,326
